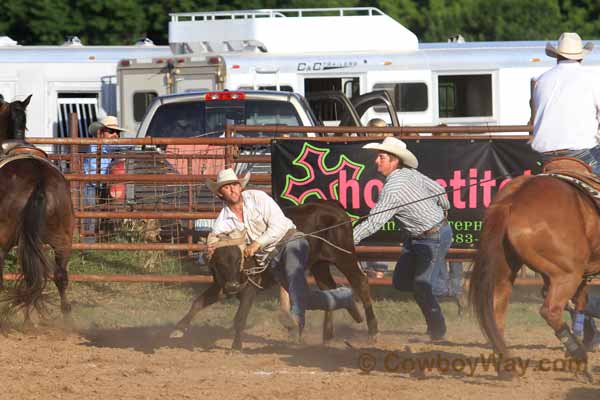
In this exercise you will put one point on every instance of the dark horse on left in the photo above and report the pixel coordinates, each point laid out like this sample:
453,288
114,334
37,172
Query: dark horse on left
13,119
35,209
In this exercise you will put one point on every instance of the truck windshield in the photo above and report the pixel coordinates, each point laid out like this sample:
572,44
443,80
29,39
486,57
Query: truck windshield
208,118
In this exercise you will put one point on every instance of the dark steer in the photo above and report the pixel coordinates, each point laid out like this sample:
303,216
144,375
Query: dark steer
234,276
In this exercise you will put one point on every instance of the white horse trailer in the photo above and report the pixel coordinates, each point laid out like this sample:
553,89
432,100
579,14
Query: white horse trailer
64,79
354,50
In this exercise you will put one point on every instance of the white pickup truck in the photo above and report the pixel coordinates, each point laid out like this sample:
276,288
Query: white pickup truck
205,114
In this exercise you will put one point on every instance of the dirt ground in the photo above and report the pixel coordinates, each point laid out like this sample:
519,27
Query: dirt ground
131,357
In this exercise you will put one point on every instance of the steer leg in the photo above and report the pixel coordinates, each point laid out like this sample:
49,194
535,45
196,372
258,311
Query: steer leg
208,297
246,297
348,265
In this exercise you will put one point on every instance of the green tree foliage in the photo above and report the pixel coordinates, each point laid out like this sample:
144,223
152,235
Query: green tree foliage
124,21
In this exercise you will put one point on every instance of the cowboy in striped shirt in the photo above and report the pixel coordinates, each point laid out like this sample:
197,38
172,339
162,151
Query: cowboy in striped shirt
410,198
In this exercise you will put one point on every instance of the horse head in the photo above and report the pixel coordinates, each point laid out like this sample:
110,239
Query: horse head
18,117
227,261
13,119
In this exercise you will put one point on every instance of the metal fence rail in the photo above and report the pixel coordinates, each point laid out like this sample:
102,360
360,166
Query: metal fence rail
229,154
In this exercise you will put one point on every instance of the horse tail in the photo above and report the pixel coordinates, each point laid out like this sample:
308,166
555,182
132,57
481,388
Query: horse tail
35,268
490,257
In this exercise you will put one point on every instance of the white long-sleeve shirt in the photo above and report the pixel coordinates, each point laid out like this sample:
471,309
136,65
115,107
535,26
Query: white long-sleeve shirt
264,222
567,108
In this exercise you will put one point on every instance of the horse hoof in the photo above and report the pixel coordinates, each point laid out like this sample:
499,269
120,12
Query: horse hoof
177,334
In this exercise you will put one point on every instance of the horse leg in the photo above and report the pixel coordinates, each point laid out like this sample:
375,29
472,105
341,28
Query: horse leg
360,284
560,290
325,281
208,297
61,280
2,255
579,301
246,297
502,291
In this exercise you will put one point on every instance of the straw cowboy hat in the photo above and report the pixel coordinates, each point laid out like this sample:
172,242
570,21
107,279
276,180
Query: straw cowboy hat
569,46
396,147
225,177
109,122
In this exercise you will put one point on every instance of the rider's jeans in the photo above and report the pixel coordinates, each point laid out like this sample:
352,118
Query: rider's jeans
589,156
289,267
426,255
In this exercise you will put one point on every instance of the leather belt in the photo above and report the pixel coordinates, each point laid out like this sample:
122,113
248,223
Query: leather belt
436,228
556,152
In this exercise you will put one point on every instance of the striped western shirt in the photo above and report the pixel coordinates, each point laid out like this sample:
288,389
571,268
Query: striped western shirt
406,186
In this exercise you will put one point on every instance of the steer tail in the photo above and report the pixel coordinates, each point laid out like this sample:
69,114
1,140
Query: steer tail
490,259
35,268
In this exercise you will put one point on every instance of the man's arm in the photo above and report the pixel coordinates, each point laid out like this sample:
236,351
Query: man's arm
277,223
436,189
383,211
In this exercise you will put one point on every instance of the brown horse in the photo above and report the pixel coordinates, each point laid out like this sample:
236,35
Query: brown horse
552,227
35,208
315,216
13,119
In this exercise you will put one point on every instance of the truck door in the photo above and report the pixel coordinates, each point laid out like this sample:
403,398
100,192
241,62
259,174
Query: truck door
333,108
377,98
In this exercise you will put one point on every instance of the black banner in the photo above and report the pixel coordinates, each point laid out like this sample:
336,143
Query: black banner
344,171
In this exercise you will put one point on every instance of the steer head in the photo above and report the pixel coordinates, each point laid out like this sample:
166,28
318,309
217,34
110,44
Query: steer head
227,261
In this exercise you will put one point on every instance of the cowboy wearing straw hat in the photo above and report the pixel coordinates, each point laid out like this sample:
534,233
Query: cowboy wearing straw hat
566,105
268,232
409,197
107,128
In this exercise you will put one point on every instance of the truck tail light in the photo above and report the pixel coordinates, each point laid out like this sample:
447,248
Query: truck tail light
224,96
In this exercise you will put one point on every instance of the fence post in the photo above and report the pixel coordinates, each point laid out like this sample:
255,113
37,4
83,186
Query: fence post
228,148
76,195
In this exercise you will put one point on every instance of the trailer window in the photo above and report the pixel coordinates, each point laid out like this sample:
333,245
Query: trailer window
463,96
407,96
141,101
86,107
282,88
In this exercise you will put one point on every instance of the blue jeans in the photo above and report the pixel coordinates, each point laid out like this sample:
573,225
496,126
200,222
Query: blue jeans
289,269
89,204
448,283
426,256
589,156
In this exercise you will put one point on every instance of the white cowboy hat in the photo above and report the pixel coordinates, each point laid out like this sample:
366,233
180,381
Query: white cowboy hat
396,147
569,46
224,177
109,122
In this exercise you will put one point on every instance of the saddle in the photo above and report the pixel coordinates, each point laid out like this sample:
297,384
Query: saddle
11,148
575,172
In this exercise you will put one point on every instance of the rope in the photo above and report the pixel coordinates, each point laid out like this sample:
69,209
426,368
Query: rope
313,234
328,242
258,270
